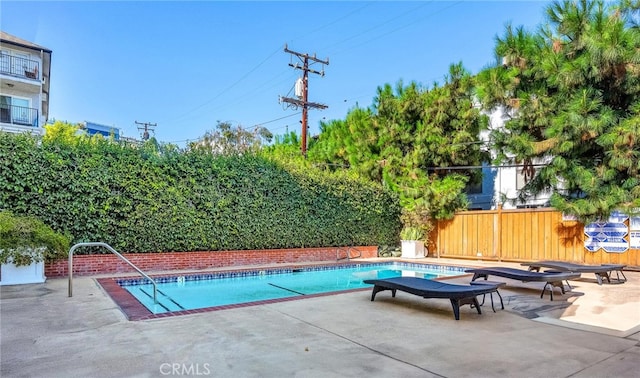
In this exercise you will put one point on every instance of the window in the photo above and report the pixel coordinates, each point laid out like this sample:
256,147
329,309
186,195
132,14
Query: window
5,109
17,63
17,110
20,111
474,188
5,61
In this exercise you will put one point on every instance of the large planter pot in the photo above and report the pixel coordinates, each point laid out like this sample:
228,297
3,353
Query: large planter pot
413,249
18,275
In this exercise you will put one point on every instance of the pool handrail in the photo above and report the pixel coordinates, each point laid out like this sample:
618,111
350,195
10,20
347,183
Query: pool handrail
107,246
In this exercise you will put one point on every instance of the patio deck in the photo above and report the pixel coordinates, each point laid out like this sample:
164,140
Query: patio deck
592,331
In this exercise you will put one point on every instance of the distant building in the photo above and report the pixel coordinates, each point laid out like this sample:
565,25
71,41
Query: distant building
502,185
25,71
93,128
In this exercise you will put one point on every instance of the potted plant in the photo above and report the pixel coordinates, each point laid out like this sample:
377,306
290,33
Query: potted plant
412,239
25,243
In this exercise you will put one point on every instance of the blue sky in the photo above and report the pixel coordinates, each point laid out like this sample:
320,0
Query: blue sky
186,65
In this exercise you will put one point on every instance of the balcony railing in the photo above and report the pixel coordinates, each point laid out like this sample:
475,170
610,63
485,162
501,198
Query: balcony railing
20,67
19,115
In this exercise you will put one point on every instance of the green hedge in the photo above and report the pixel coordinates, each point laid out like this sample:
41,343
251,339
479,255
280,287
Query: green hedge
156,198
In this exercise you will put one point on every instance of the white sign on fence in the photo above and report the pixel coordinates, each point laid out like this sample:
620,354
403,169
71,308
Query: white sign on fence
634,239
609,236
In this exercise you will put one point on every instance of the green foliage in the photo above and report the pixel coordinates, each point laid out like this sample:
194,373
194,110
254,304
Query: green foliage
573,90
403,140
412,233
227,139
285,149
26,239
389,251
153,197
62,132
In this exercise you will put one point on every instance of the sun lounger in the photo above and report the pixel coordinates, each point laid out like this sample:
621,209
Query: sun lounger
551,279
618,269
601,271
426,288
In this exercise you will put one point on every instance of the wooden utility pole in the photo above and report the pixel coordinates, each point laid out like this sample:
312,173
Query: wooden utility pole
302,100
146,126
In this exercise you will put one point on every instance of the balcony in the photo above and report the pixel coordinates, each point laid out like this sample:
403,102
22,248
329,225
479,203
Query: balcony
19,67
19,116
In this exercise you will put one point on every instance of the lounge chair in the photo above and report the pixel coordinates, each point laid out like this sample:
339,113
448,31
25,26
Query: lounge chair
551,279
426,288
601,271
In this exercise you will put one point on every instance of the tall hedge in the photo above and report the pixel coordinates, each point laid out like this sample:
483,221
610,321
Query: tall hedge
153,198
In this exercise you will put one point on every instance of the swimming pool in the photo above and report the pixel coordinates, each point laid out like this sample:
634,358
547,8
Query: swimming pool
186,293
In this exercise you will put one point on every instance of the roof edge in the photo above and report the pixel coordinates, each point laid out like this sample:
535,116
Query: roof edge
8,39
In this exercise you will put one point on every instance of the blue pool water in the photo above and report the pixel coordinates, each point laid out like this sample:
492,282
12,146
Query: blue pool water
209,290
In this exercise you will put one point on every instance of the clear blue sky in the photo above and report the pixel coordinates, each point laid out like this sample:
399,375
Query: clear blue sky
186,65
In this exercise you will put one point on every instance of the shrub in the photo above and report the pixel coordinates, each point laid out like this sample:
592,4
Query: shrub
26,239
151,197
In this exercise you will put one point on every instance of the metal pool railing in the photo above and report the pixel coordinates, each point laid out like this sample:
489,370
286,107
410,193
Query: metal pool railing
107,246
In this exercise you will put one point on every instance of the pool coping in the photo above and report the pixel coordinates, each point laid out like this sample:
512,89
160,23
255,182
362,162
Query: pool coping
134,310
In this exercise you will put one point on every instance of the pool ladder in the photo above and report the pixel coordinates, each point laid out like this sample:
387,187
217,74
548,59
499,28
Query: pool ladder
347,255
107,246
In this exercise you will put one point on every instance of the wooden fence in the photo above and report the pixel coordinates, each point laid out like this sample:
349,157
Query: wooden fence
519,235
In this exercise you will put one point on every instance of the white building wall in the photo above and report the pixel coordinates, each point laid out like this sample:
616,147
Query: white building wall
34,98
22,87
505,184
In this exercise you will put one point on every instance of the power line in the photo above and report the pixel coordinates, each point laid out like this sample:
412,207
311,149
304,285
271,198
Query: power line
337,20
265,85
229,87
379,25
240,98
403,26
277,119
244,97
302,90
257,124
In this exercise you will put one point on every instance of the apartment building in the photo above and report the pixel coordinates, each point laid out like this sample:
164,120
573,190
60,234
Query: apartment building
502,185
25,71
92,128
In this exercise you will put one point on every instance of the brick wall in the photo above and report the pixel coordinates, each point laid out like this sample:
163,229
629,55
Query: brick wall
85,265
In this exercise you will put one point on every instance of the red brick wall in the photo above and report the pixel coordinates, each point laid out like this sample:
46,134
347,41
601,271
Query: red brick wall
85,265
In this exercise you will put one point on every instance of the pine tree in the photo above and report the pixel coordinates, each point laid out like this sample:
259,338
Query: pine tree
574,89
407,133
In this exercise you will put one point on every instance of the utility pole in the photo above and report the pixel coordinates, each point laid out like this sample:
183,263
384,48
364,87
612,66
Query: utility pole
146,126
302,90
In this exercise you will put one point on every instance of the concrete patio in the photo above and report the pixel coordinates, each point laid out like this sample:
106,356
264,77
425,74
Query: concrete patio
592,331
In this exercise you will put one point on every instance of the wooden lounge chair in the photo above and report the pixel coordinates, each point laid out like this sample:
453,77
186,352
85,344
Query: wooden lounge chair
426,288
551,279
601,271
